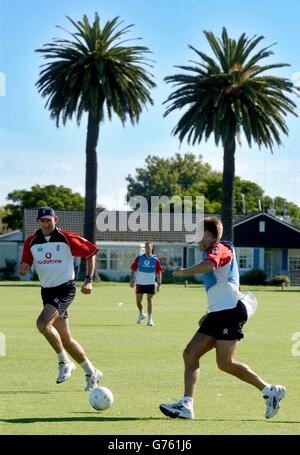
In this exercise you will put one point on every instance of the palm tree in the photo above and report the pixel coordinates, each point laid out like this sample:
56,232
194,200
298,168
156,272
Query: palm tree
95,73
226,96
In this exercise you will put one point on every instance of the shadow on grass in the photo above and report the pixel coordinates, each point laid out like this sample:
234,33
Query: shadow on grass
78,419
21,392
98,418
18,285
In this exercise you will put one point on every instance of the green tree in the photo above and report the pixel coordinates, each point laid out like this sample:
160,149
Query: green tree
176,176
57,197
227,96
188,175
94,73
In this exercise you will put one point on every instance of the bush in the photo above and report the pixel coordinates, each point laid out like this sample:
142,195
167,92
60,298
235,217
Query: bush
279,280
254,276
103,277
125,279
9,271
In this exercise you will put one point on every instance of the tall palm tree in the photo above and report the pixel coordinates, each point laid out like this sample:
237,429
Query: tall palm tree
226,96
93,73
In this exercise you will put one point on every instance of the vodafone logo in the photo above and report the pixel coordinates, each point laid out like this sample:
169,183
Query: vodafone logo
48,255
146,262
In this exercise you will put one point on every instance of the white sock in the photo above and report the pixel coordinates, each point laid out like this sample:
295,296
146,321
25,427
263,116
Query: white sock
63,357
88,367
266,389
188,401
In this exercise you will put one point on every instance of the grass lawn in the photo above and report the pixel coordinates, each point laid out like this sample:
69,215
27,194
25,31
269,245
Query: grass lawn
143,365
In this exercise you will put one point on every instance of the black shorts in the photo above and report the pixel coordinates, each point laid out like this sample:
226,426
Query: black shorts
225,324
145,289
60,297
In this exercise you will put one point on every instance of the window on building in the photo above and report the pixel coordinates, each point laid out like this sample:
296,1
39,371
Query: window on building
122,258
170,256
294,263
244,258
102,259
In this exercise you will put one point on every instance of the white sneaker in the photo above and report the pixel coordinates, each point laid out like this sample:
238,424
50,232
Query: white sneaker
140,318
65,369
272,400
92,380
150,323
177,409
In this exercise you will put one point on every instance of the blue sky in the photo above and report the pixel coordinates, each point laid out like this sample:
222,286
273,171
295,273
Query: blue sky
34,151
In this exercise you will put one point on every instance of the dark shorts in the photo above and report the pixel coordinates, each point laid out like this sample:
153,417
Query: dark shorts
145,289
225,324
60,297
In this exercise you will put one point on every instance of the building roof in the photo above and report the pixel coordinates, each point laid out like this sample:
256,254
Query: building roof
12,236
113,227
172,229
266,231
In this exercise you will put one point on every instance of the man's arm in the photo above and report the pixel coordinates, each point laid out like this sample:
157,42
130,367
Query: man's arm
132,275
202,267
159,280
90,268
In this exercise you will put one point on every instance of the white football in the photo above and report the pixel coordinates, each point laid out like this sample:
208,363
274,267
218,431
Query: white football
101,398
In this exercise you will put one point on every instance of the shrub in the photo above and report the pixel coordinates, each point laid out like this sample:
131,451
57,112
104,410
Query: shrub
9,271
279,280
254,276
103,277
125,279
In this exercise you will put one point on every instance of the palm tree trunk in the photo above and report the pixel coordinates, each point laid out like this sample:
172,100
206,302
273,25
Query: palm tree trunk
91,166
228,184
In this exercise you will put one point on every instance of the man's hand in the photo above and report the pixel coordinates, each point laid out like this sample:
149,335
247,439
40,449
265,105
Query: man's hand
24,269
87,287
158,287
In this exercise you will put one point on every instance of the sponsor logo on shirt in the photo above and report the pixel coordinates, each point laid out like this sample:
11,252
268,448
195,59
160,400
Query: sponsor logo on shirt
48,260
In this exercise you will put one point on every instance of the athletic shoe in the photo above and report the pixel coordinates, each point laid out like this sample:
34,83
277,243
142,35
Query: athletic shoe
177,409
140,318
65,369
150,323
92,380
272,400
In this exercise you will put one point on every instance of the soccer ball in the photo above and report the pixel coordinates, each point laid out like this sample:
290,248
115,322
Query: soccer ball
101,398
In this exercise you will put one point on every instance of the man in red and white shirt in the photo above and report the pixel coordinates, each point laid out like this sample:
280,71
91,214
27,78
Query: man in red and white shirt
145,271
51,250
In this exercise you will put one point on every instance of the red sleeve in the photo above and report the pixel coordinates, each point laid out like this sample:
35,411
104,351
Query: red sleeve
219,254
158,267
79,246
135,264
27,257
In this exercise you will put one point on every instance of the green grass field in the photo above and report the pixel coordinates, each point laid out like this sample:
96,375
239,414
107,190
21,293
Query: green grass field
143,365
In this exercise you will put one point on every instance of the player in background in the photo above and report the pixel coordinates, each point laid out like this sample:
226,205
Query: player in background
221,327
52,250
145,271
